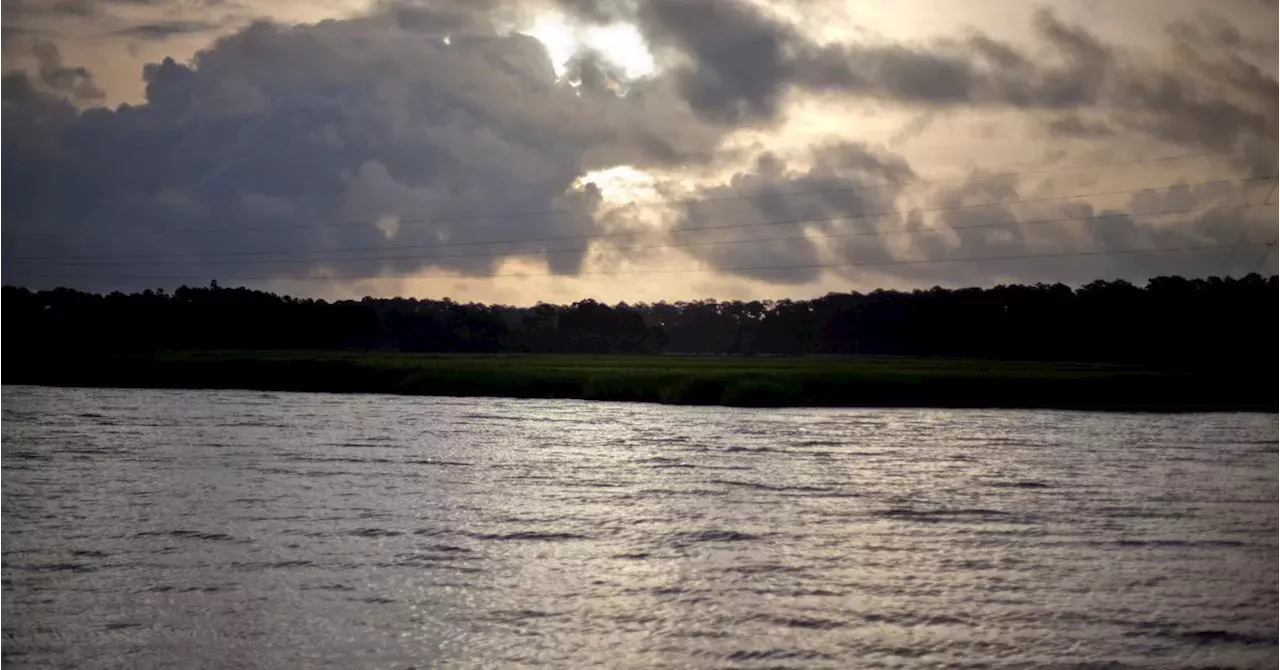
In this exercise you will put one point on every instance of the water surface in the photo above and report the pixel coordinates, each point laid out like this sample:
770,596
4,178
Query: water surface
242,529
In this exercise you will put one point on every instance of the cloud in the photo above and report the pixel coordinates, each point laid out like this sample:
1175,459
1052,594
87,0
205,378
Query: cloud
55,77
76,82
797,207
1075,125
851,214
420,125
23,9
299,139
737,53
71,21
1033,241
592,73
735,63
162,30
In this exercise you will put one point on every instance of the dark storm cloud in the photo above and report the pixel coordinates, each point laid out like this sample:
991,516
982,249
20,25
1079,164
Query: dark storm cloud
424,119
593,73
885,242
738,62
740,59
1180,216
738,54
282,137
845,180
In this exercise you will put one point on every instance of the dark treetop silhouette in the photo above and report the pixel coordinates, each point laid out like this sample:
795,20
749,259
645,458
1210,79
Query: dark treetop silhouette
1188,344
1171,320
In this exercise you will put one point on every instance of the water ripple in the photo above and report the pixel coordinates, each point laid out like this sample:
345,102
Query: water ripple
151,528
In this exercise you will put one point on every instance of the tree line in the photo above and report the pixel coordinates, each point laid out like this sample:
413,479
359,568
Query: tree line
1169,320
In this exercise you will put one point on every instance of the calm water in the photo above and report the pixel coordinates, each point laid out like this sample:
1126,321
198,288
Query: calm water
239,529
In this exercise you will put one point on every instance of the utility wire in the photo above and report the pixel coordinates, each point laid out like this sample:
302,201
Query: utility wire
713,243
561,238
1244,232
1271,246
526,214
1073,254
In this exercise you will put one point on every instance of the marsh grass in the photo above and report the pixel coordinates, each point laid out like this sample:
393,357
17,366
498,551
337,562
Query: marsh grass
871,381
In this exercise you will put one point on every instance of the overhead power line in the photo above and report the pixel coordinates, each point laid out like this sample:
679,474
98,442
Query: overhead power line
1244,231
712,243
67,259
755,268
146,230
1270,246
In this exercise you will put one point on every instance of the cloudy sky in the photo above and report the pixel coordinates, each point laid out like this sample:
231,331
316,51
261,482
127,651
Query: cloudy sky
634,149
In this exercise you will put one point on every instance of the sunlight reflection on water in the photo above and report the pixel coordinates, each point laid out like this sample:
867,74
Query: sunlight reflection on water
195,529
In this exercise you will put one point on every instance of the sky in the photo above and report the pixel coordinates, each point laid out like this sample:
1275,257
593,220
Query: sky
634,150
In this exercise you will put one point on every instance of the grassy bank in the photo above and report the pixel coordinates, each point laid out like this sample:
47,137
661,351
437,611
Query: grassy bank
761,382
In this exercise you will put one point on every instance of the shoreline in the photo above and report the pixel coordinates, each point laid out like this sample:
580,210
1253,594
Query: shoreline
1216,408
848,382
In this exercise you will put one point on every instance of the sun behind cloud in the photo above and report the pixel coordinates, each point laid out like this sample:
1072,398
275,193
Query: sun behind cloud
620,44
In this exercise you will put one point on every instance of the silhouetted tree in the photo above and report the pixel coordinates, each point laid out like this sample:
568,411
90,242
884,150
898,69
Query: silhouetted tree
1171,320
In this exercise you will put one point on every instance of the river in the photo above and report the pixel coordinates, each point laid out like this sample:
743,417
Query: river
197,529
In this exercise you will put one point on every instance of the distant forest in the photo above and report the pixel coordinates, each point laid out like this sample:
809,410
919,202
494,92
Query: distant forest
1171,320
